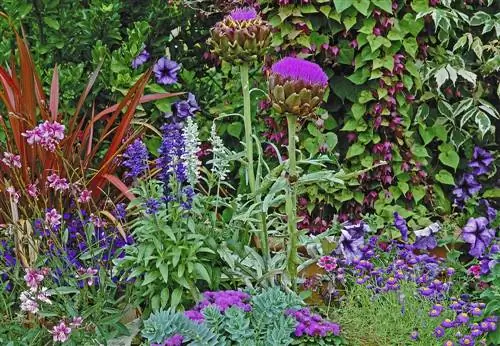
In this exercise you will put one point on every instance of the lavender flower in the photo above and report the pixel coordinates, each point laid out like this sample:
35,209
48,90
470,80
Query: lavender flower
478,235
481,161
400,224
140,59
300,70
243,14
466,188
165,71
171,152
136,159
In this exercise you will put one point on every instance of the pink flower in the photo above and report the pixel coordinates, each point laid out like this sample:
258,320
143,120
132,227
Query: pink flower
57,183
32,190
27,303
11,160
328,263
76,322
52,218
85,196
33,277
475,270
47,134
43,296
13,194
60,332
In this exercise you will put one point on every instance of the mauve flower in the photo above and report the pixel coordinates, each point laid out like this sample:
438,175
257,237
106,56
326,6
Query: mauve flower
60,332
481,161
76,322
414,335
33,277
478,235
47,134
491,213
27,303
448,343
243,14
85,196
466,187
439,332
466,340
165,71
53,218
400,224
328,263
140,59
11,160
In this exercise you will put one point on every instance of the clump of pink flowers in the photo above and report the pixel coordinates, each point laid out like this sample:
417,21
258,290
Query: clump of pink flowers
31,298
47,134
11,160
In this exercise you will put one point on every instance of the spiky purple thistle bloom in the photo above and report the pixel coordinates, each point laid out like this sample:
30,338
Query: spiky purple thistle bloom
478,235
140,59
481,161
400,224
135,159
243,14
165,71
466,187
300,70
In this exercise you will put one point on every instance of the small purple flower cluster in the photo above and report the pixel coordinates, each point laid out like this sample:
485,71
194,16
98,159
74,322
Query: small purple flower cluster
135,159
174,340
222,300
8,263
48,135
312,324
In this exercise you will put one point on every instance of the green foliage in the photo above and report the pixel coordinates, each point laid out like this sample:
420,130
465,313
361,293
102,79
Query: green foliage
171,259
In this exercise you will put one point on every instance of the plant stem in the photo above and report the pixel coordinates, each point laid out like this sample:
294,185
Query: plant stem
291,201
247,119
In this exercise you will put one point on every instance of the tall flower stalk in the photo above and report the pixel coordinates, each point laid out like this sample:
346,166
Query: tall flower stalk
296,88
247,120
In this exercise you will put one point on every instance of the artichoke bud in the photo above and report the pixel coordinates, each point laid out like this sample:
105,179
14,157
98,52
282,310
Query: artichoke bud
241,37
297,86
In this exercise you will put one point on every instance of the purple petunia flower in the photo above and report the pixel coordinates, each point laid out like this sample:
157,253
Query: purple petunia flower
181,110
135,158
350,245
243,14
302,70
481,161
490,212
478,235
425,243
140,59
400,224
466,187
166,71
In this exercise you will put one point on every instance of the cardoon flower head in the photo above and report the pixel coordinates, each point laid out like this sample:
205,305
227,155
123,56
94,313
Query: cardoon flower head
296,86
140,59
241,14
478,235
165,71
400,224
466,187
481,161
60,332
47,134
192,143
135,159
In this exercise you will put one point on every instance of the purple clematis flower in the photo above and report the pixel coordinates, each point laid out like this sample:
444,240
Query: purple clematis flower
140,59
467,187
478,235
166,71
481,161
400,224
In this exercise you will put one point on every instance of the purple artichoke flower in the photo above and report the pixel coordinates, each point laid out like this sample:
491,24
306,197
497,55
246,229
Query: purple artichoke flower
481,161
243,14
400,224
478,235
467,187
140,59
300,70
166,71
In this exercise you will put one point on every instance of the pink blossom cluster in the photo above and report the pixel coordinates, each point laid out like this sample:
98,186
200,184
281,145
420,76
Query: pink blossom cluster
31,298
57,183
61,331
47,134
11,160
87,273
52,218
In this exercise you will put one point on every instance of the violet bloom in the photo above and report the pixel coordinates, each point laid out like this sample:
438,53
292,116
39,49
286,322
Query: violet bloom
60,332
135,159
171,150
490,212
350,245
47,134
481,161
181,110
165,71
466,187
300,70
400,224
466,340
140,59
478,235
243,14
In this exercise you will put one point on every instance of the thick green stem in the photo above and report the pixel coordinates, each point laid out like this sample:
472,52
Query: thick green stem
291,202
247,119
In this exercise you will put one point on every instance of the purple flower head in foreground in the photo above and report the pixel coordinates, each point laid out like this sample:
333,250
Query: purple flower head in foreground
439,332
135,159
300,70
400,224
466,187
481,161
478,235
350,246
181,110
242,14
425,237
140,59
165,71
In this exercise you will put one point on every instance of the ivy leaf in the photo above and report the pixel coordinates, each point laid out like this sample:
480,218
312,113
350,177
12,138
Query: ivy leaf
358,110
449,158
411,46
386,5
362,6
331,140
341,5
360,76
483,122
311,145
365,96
445,177
355,150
